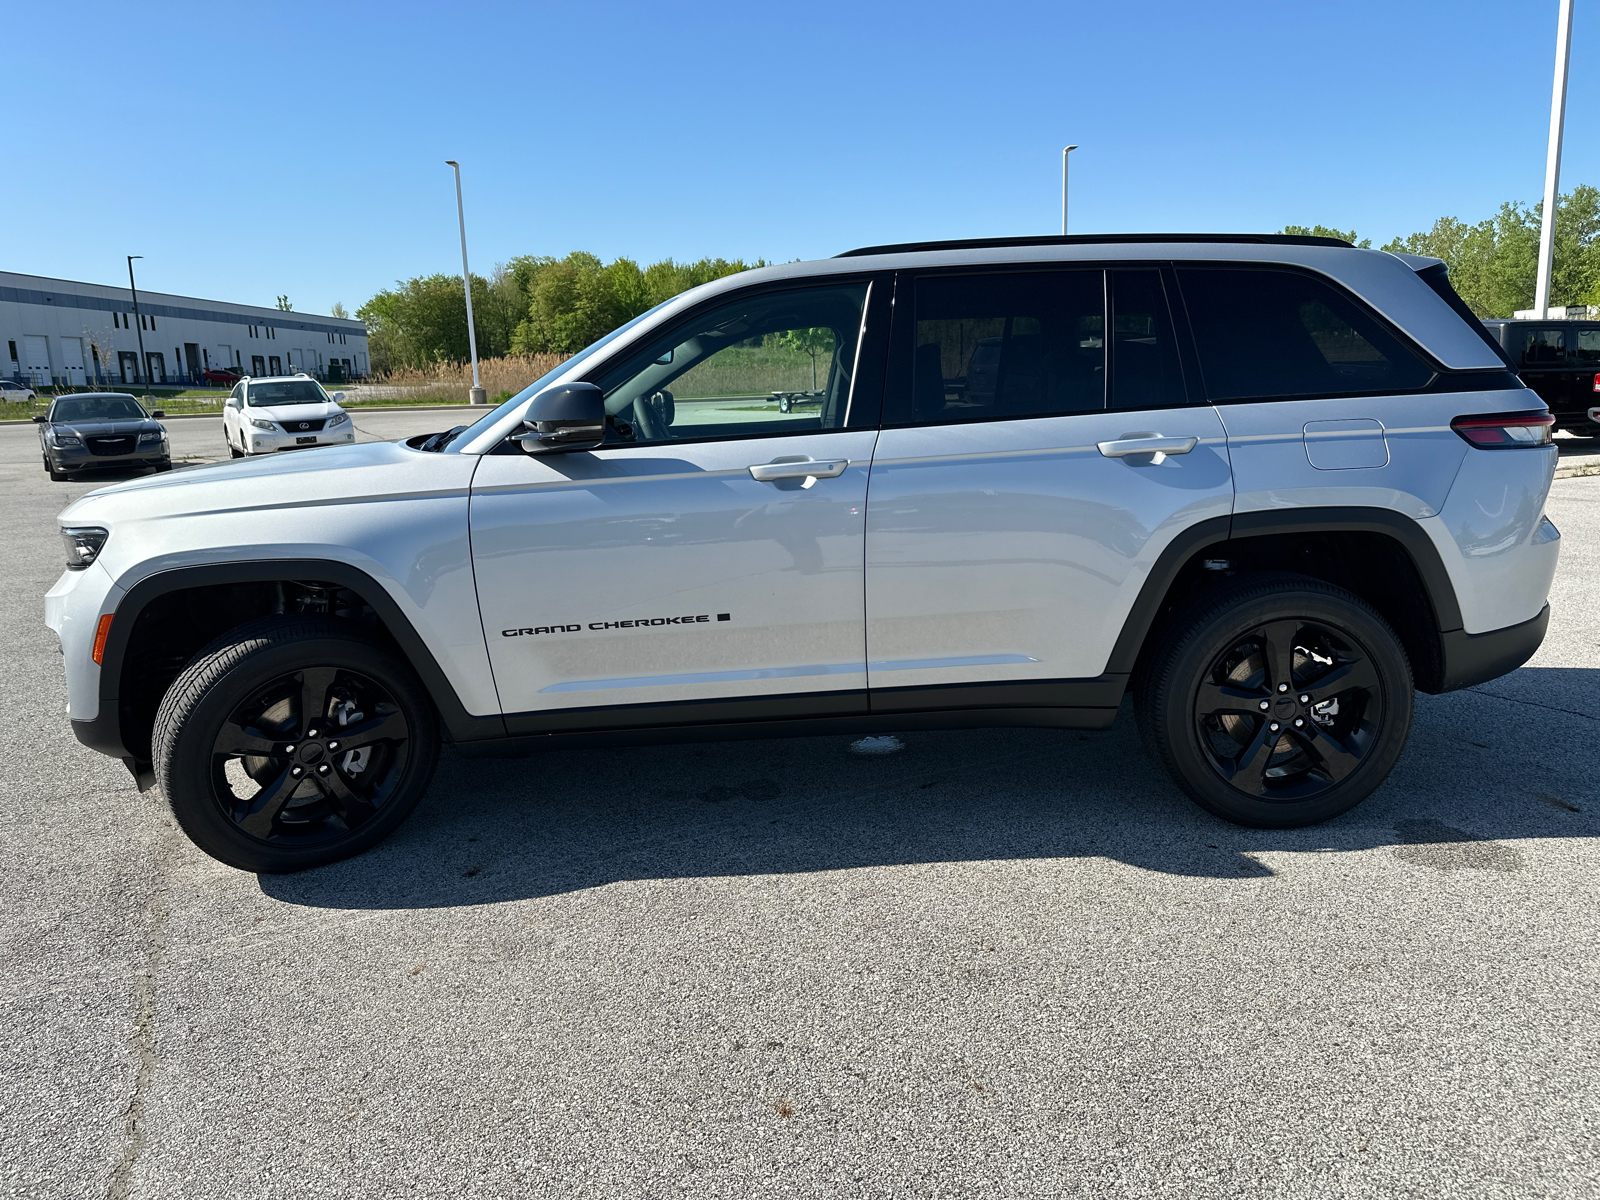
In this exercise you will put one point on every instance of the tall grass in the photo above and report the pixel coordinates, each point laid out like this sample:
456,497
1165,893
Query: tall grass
449,382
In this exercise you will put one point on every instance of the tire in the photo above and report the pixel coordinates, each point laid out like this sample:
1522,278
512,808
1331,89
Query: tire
783,405
324,800
166,466
1321,746
57,476
233,451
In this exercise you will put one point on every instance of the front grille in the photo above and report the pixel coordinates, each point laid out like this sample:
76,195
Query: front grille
303,426
112,445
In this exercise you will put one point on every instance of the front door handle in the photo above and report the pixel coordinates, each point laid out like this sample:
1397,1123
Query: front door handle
798,468
1148,443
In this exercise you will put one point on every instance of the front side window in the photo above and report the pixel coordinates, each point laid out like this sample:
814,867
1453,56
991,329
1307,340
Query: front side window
1269,334
775,362
290,391
1543,348
1021,344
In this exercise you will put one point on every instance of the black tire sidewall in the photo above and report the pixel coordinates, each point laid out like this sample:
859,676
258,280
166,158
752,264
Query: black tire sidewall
1196,643
207,693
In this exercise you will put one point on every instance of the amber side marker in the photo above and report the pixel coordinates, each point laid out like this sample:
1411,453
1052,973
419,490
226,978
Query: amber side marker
101,633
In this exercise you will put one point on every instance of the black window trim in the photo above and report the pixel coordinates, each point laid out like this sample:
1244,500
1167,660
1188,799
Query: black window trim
871,357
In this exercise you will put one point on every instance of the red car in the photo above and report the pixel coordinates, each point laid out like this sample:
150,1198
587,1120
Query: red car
221,375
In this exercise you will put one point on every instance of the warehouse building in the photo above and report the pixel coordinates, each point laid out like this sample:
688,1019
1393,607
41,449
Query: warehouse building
65,334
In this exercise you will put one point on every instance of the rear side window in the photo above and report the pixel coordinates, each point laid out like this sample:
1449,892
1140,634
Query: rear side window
1265,334
1542,348
1144,352
1023,344
1588,349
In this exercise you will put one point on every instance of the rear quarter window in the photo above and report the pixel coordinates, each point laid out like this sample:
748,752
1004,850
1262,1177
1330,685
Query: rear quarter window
1267,334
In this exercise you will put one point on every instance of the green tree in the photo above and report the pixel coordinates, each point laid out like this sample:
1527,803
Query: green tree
284,305
808,341
1324,231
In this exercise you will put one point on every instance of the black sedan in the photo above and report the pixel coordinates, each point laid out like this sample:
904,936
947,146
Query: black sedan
100,430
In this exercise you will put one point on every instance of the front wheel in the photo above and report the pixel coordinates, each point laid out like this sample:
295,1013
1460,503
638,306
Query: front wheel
1276,702
292,742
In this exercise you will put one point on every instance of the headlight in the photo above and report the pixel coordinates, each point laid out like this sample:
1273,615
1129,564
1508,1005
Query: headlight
83,545
337,419
154,436
66,439
260,424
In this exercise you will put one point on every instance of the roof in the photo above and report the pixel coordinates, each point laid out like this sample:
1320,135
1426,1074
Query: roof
1099,239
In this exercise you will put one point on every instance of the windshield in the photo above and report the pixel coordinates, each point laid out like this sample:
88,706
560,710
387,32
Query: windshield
97,408
465,435
291,391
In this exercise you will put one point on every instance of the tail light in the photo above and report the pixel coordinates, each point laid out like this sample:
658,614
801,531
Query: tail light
1597,383
1506,431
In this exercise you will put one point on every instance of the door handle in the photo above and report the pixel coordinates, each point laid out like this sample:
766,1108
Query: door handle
1148,443
799,468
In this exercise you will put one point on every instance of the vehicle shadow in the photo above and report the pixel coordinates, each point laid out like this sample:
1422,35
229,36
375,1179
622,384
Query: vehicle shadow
1479,770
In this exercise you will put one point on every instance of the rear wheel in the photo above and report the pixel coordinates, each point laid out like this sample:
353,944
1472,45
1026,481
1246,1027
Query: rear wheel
1277,701
293,742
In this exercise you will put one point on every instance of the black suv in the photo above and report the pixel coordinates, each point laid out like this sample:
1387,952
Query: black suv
1560,360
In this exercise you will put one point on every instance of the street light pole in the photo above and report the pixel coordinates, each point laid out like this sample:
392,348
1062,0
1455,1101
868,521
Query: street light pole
1064,154
479,396
144,363
1552,164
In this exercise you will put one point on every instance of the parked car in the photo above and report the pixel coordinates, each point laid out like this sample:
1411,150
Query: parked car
1560,360
12,392
96,431
219,376
264,416
1290,483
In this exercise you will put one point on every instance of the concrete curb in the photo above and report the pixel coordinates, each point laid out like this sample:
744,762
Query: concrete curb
481,408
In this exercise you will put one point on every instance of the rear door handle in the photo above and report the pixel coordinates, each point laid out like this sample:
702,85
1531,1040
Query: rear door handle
1147,443
799,468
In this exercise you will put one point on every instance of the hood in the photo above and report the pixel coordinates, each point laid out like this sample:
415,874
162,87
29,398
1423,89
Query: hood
292,412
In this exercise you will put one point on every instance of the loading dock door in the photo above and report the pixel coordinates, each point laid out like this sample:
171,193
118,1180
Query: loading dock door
128,364
191,358
37,350
72,360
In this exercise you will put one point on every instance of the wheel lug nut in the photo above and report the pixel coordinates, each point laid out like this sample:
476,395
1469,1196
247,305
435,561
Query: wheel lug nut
296,771
1305,699
1282,687
333,745
288,749
1265,706
1274,727
312,734
323,769
1298,722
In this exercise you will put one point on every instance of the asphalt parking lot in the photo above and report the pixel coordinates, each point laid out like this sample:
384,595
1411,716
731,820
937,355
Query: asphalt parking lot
996,963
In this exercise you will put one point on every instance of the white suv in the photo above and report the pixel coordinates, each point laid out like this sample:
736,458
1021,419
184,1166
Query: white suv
264,416
1269,485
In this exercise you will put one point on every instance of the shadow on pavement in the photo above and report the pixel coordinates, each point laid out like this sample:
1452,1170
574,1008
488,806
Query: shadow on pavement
499,830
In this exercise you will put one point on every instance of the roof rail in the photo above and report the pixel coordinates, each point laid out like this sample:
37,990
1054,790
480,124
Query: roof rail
1091,239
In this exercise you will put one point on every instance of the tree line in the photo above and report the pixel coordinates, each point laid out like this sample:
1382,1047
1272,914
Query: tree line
530,305
542,305
1493,263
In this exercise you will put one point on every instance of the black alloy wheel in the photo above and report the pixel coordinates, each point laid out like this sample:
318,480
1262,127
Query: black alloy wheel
293,742
1275,700
1289,710
310,757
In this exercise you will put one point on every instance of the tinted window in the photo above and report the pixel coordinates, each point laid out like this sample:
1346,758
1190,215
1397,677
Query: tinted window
293,391
1263,334
1144,352
779,362
1588,349
1543,348
1017,345
96,408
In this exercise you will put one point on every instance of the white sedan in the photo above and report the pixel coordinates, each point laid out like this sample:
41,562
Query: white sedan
264,416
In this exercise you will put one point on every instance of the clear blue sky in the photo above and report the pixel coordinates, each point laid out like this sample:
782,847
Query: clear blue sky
248,150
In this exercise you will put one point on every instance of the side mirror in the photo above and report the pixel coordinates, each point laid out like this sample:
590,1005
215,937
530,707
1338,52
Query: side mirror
156,412
337,397
568,416
40,419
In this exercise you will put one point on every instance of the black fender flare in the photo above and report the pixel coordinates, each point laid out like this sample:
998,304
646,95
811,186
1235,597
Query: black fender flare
1412,538
104,732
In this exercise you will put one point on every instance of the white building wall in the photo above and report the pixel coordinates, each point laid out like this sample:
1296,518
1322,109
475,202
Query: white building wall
59,329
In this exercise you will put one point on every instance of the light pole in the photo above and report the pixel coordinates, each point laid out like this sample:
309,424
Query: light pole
144,363
1552,163
479,396
1064,154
